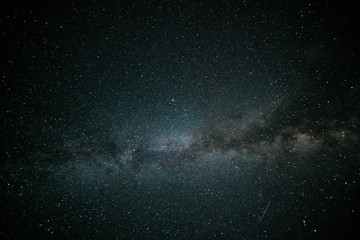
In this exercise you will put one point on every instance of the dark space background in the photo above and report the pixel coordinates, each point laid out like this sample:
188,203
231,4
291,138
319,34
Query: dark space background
179,119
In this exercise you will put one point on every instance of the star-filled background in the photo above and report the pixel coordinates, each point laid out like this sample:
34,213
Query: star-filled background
179,119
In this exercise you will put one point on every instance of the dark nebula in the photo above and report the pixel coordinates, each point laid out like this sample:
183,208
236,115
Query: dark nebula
180,119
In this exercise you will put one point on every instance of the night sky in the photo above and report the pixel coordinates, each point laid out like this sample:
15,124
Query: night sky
180,119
